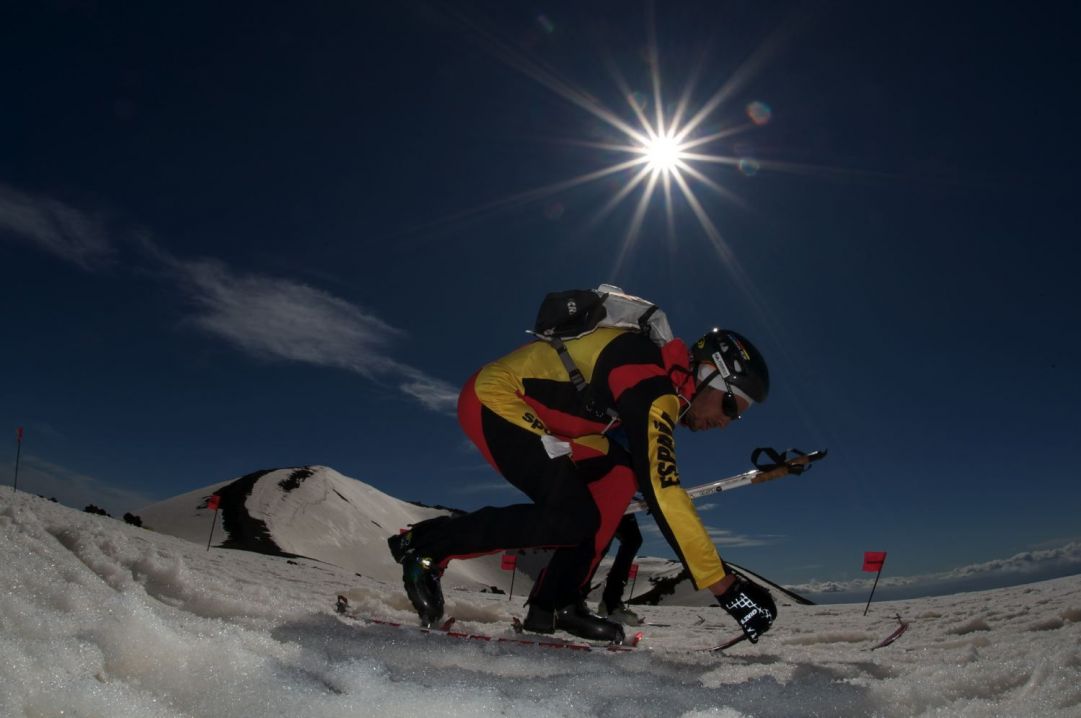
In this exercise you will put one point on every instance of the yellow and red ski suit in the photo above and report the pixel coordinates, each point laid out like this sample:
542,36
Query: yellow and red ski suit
522,410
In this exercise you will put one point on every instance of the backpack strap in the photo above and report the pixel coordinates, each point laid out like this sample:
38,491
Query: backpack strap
579,381
643,321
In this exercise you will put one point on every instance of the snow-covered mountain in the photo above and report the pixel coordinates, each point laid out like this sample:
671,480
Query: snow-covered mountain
317,513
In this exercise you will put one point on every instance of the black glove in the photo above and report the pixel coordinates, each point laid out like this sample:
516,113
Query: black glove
751,605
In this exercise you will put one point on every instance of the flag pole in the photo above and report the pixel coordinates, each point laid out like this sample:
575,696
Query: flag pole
215,501
18,454
212,522
877,575
510,560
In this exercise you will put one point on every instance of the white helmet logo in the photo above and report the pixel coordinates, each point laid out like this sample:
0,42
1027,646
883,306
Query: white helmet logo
722,367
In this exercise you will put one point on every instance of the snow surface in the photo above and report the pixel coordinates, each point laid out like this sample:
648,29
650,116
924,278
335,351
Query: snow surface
98,618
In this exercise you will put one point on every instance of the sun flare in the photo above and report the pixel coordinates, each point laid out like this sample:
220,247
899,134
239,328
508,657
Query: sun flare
662,154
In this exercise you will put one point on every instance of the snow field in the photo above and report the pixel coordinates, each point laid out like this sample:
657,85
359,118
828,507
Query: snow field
98,618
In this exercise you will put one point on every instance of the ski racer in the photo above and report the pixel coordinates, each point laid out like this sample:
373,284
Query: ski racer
533,426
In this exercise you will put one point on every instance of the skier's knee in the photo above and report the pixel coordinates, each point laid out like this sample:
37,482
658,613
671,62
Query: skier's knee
574,524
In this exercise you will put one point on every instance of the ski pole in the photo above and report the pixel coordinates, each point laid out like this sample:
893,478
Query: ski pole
754,476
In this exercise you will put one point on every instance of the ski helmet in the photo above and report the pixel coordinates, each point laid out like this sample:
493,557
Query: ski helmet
738,362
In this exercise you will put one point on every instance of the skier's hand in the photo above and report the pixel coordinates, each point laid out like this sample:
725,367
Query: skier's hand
751,605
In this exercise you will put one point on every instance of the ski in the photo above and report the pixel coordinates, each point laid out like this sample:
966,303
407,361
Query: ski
796,465
447,629
898,632
630,645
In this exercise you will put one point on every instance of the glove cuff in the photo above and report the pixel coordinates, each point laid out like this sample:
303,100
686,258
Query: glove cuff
751,606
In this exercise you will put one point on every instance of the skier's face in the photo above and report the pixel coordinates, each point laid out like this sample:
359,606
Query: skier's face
707,411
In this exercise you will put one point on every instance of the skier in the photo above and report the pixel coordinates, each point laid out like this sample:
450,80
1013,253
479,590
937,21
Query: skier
535,427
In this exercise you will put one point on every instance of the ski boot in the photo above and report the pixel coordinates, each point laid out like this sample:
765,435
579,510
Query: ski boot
420,576
576,620
619,613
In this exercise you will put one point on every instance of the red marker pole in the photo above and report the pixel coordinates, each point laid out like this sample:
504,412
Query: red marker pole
212,503
18,454
510,563
873,561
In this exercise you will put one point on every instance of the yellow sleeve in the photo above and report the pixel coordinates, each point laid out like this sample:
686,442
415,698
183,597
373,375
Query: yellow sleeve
672,508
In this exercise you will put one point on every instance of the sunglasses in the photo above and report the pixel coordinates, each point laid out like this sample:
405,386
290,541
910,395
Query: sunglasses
729,405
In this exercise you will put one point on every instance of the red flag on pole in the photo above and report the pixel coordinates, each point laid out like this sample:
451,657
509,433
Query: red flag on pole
633,573
212,504
873,560
19,435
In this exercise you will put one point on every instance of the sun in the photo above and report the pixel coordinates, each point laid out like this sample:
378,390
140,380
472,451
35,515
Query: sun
663,153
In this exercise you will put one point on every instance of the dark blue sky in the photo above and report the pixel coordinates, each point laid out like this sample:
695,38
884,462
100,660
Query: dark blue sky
263,234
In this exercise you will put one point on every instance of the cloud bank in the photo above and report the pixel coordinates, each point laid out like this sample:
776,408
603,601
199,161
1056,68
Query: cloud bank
1020,568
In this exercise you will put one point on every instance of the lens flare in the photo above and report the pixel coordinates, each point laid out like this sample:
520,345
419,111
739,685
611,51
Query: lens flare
759,112
749,166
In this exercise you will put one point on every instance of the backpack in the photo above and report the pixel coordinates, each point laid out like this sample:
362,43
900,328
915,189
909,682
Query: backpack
577,312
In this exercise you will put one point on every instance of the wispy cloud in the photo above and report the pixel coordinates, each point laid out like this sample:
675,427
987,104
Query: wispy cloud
725,538
276,318
55,227
279,318
730,539
263,316
433,393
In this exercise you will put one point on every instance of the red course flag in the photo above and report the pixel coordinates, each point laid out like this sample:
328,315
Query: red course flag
19,435
213,503
510,560
873,560
633,573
